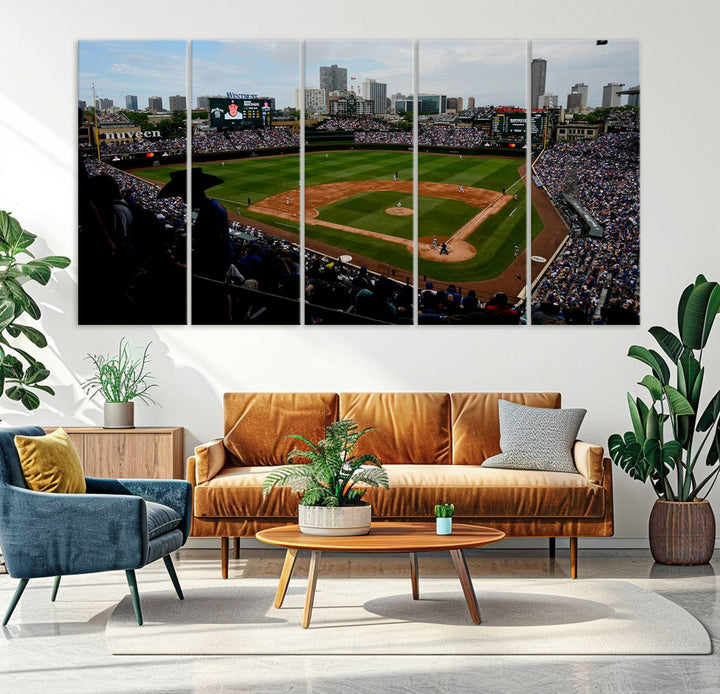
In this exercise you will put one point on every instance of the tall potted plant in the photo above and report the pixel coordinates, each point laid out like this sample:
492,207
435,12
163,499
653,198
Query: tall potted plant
331,502
21,374
674,443
121,379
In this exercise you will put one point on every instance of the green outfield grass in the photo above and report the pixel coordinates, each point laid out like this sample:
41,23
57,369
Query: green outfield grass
260,177
367,211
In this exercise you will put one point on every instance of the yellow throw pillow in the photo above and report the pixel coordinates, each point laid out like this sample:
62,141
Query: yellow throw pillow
51,463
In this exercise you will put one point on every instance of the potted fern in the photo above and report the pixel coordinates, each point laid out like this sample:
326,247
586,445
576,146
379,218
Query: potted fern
332,502
120,379
669,441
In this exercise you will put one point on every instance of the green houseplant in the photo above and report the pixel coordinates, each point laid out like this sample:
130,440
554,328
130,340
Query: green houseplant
443,518
120,379
331,502
21,374
674,442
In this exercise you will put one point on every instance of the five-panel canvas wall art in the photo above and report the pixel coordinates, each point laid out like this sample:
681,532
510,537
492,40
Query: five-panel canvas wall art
368,182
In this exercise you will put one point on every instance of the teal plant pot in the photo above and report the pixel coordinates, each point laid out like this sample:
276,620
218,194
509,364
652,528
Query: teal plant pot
443,526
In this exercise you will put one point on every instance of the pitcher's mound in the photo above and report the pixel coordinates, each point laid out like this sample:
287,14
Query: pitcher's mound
399,211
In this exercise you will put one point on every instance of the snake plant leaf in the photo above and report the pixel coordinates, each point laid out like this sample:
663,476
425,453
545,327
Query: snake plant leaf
653,385
670,344
696,319
653,360
710,414
678,402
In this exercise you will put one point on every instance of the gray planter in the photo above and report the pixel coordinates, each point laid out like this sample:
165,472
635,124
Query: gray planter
119,415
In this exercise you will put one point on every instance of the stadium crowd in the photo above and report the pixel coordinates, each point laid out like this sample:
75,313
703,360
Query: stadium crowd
595,279
353,123
428,136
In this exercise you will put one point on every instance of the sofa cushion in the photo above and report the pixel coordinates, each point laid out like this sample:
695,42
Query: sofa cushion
161,519
536,438
476,422
257,424
411,427
51,463
477,492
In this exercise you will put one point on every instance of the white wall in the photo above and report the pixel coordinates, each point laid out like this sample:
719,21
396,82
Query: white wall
680,234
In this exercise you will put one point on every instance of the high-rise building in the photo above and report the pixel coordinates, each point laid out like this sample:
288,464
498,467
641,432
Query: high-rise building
611,98
155,103
431,104
451,104
315,100
131,103
203,102
377,91
574,101
548,101
459,104
582,89
178,103
538,71
634,96
333,78
394,98
82,105
471,102
103,104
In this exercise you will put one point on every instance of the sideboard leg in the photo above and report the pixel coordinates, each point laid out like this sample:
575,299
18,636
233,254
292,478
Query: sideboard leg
236,554
551,547
414,575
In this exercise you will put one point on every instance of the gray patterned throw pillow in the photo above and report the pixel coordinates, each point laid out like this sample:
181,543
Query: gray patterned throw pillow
536,438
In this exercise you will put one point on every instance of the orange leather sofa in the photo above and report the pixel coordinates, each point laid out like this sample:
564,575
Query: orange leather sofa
432,446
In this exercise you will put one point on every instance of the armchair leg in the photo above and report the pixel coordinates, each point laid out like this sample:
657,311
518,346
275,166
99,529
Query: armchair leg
224,558
551,547
173,576
132,582
573,557
15,599
56,585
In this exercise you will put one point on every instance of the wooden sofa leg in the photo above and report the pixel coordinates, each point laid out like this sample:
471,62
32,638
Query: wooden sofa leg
551,547
224,552
236,553
573,557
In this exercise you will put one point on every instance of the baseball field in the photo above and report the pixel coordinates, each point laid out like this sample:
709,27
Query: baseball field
360,203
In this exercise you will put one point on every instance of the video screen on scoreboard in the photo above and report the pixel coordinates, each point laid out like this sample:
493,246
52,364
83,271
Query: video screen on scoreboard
244,113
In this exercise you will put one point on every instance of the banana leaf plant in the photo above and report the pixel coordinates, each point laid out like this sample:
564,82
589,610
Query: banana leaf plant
21,374
674,443
332,473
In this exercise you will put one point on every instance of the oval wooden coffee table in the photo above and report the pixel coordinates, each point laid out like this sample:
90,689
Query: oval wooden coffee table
383,538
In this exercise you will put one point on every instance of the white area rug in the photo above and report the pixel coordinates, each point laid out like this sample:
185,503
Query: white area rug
377,616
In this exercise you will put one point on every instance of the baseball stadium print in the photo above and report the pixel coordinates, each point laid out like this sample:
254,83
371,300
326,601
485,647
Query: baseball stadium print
586,182
131,240
334,236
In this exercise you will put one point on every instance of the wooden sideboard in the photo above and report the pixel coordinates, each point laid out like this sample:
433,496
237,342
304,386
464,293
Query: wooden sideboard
143,452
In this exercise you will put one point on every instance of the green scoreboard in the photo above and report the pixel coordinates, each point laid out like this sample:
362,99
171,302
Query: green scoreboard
514,122
242,113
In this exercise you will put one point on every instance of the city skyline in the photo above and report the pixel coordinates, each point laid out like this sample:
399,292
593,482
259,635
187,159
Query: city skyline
138,68
572,61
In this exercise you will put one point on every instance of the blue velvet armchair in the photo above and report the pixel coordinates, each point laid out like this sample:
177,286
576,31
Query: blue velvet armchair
118,524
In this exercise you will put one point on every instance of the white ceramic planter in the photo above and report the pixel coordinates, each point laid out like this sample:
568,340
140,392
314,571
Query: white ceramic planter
443,526
335,520
119,415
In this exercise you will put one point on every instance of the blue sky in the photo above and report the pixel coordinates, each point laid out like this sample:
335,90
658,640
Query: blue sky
491,71
142,68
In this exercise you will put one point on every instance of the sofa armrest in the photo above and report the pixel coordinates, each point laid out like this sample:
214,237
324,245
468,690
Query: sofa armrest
177,494
209,460
588,460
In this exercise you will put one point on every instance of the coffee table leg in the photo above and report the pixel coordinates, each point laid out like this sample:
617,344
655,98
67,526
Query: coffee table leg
464,575
287,569
414,575
312,582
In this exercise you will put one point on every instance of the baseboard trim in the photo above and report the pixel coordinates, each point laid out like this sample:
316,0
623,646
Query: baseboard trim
584,543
